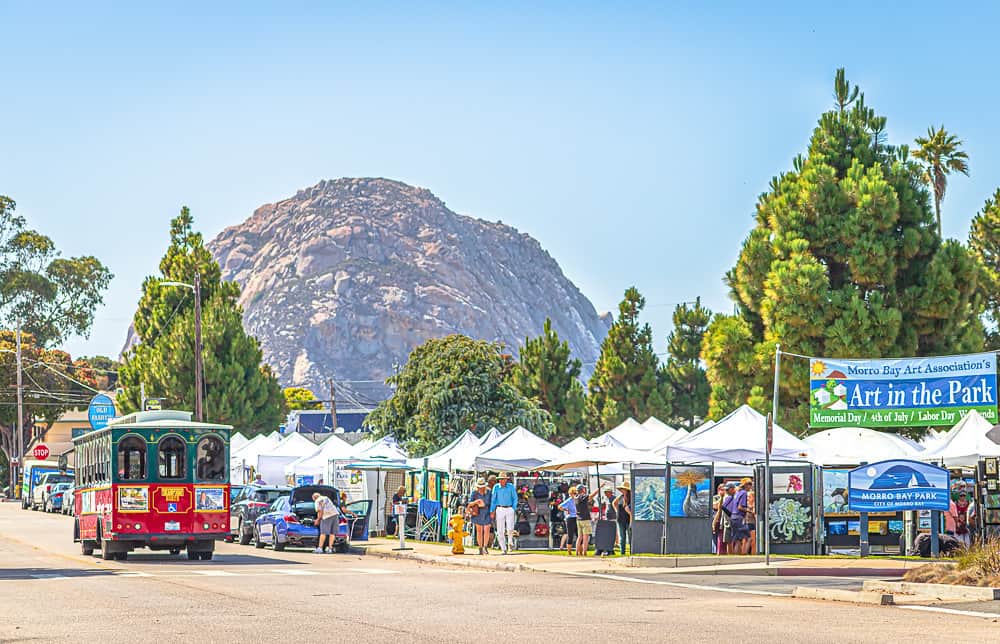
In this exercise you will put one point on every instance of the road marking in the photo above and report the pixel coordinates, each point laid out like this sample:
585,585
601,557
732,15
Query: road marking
375,571
132,573
675,584
295,572
48,576
952,611
215,573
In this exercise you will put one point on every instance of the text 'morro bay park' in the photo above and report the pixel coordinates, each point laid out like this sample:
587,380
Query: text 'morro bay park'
901,392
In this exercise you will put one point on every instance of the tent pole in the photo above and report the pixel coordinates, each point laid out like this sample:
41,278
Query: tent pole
767,458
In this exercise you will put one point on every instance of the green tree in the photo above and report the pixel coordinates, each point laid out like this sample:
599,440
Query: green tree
688,384
106,370
300,398
984,242
844,260
55,383
449,385
239,390
52,297
627,380
548,374
941,154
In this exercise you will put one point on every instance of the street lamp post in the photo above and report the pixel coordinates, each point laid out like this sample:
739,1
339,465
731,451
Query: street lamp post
19,448
198,376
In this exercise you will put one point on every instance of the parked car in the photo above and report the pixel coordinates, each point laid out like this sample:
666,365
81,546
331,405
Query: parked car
69,498
252,501
291,521
54,499
40,492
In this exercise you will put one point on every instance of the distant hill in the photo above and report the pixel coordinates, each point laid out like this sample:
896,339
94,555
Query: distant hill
348,276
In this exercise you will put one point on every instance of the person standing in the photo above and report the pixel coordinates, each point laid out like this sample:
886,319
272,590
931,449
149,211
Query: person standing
720,493
722,525
739,509
502,503
962,519
607,511
568,507
481,500
584,527
623,511
327,518
391,520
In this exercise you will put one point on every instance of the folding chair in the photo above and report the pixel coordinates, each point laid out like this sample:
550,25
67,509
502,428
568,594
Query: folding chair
428,520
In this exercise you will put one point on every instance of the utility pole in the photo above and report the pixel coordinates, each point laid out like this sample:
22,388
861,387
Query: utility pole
142,396
333,405
20,408
198,377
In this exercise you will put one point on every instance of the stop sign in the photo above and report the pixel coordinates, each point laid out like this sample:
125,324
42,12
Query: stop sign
41,451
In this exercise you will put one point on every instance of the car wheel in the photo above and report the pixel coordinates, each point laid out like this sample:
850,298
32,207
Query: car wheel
87,548
206,556
121,556
257,543
244,535
275,545
193,556
106,553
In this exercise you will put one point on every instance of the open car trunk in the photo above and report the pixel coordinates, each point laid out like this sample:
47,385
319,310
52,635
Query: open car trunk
302,503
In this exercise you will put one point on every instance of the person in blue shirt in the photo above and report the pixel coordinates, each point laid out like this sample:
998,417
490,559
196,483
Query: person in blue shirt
569,508
503,504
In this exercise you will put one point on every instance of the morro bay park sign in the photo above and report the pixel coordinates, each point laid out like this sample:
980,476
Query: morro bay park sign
902,392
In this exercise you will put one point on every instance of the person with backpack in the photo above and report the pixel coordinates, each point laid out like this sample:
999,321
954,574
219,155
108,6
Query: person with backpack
722,526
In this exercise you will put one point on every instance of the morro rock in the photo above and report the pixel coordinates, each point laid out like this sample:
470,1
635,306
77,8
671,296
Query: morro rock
345,278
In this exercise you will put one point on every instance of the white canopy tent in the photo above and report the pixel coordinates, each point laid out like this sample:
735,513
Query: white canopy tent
460,454
577,444
965,443
385,448
271,463
519,449
854,445
667,432
314,464
248,455
237,442
490,438
633,435
738,438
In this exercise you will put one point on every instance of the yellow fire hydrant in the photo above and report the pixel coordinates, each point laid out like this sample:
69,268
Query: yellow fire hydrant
457,534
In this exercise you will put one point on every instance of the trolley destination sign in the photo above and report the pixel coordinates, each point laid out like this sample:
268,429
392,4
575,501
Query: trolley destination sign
901,392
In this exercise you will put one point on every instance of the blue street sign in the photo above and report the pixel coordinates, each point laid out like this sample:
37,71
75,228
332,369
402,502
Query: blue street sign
101,410
891,486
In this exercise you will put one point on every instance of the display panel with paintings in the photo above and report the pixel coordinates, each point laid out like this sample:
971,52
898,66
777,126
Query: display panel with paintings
787,483
691,491
790,519
649,497
835,493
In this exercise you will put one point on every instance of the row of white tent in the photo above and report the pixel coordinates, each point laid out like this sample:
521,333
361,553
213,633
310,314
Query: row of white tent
735,439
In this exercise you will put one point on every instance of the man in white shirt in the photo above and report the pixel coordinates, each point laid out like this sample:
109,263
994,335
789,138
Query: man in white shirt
328,519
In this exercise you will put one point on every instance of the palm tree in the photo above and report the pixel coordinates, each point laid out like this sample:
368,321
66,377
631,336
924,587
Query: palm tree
941,154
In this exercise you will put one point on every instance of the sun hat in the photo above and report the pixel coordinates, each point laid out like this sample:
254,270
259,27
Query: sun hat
480,482
625,486
745,480
572,489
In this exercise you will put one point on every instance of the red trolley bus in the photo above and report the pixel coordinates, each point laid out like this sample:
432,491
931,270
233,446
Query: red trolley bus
152,479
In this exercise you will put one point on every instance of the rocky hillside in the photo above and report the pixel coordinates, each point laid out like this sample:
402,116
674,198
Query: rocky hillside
348,276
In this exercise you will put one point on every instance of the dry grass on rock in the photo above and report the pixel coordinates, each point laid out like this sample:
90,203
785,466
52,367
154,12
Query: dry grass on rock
975,566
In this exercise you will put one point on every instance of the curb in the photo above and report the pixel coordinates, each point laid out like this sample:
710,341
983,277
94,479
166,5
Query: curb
837,595
935,591
458,560
840,572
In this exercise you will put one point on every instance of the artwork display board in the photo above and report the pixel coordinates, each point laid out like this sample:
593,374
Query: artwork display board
794,507
688,527
988,471
649,488
838,517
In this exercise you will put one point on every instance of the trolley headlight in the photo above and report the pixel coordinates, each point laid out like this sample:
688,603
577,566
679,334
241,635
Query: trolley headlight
138,526
205,525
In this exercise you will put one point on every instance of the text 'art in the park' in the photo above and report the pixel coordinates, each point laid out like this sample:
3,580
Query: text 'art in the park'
901,392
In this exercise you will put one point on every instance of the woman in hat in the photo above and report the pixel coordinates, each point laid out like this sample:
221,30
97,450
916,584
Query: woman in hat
479,511
623,510
569,508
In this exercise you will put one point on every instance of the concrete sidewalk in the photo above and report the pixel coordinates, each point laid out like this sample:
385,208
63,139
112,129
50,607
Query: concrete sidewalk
528,561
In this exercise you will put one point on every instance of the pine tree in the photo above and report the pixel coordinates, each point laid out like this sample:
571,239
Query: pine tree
239,390
627,380
845,260
547,374
984,242
449,385
688,383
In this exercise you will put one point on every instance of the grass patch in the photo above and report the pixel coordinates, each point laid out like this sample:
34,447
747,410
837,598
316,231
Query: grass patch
975,566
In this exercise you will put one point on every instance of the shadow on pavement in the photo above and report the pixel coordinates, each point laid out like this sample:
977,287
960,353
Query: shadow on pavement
220,559
7,574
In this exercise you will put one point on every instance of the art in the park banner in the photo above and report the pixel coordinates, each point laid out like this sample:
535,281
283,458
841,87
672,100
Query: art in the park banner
901,392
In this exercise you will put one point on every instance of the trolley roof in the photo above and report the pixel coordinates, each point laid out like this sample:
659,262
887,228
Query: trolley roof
159,419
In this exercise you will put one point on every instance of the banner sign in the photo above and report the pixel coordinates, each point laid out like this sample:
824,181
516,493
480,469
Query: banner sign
901,392
892,486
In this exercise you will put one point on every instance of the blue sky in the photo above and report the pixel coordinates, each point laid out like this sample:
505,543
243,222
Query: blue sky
631,141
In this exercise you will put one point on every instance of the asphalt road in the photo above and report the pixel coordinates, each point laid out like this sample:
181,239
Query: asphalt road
49,592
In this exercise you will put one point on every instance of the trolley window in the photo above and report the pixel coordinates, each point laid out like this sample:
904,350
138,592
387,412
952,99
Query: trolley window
171,458
211,456
132,459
